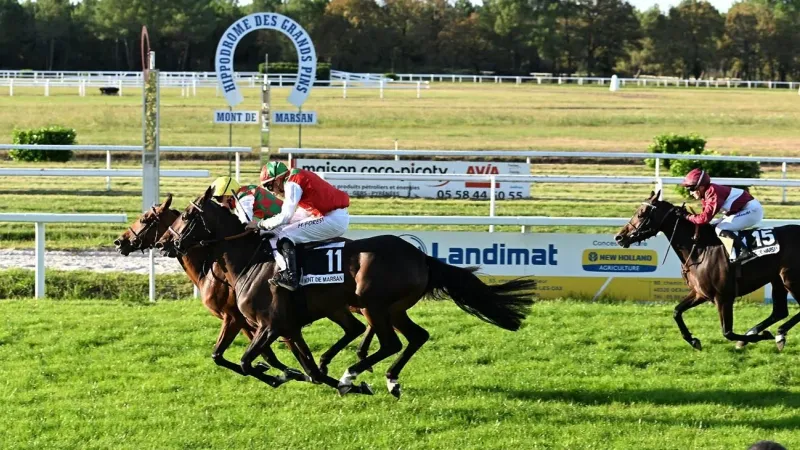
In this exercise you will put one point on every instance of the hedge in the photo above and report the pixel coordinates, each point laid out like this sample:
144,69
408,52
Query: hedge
53,135
323,69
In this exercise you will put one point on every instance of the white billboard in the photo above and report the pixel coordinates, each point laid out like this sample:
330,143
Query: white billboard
474,190
564,264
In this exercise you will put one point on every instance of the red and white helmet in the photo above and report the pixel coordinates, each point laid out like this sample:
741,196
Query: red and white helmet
695,179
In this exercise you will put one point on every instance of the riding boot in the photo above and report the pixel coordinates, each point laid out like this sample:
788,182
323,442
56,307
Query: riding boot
742,251
287,279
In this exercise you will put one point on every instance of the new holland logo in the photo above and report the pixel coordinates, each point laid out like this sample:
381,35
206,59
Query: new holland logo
619,260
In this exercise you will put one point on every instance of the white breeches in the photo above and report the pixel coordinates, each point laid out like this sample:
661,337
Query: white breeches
311,229
749,216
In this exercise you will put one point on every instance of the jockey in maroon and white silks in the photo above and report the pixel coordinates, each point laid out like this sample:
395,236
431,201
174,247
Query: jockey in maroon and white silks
740,210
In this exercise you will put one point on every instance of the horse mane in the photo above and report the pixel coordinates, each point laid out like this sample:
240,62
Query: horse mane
226,217
706,237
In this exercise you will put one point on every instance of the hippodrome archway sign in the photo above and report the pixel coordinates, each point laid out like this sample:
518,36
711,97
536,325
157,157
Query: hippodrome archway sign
306,54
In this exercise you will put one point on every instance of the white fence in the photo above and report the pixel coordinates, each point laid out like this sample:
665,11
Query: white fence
192,80
40,220
530,154
189,82
108,172
587,80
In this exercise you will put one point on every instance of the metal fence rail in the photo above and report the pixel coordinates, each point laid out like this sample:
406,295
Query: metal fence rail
40,219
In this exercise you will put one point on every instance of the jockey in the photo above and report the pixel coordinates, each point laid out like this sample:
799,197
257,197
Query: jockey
249,203
739,208
304,190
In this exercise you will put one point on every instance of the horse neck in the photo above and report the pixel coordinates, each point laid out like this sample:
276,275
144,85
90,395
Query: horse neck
680,234
236,254
193,264
683,242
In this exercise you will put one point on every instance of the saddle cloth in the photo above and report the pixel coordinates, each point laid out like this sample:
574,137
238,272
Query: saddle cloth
317,262
760,241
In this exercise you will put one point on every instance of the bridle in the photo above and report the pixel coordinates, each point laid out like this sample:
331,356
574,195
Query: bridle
188,230
640,234
136,242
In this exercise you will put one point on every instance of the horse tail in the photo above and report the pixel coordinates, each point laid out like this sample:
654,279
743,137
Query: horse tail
504,305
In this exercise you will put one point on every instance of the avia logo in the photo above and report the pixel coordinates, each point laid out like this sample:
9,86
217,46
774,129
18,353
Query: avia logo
488,169
483,170
415,241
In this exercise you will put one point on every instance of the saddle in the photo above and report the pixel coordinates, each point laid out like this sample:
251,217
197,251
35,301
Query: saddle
759,241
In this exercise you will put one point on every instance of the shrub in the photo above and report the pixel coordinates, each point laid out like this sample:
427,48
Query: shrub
323,69
53,135
727,169
675,143
391,76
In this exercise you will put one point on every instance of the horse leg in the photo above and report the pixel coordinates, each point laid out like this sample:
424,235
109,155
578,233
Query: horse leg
686,304
784,328
227,333
780,310
263,338
352,329
363,348
417,336
306,359
725,310
390,344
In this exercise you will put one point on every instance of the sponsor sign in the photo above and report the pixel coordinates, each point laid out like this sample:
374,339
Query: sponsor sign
331,278
306,55
475,190
224,116
619,260
565,265
294,118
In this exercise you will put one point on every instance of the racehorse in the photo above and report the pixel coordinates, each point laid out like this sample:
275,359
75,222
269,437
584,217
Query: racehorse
214,289
383,277
710,277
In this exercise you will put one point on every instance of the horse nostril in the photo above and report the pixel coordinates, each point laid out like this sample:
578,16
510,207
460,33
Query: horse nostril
159,245
618,237
117,242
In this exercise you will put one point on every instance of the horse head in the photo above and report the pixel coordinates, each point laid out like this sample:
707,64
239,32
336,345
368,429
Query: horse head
144,232
204,220
648,220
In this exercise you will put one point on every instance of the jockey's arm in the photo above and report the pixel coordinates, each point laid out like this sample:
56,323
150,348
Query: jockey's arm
244,208
292,194
710,209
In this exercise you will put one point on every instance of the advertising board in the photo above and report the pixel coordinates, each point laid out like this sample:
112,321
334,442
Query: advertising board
441,189
565,264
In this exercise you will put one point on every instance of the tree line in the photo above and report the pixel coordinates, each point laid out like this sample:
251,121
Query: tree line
753,40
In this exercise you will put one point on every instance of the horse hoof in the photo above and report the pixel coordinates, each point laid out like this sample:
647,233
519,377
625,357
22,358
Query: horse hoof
296,375
365,389
344,389
696,344
780,341
740,345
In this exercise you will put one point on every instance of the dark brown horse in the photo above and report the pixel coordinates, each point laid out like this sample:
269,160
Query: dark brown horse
709,275
215,292
384,277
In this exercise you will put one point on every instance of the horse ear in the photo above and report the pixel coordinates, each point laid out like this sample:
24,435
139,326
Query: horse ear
652,195
208,193
658,195
167,202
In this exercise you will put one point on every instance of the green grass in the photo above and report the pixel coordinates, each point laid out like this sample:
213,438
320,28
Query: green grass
449,116
93,374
